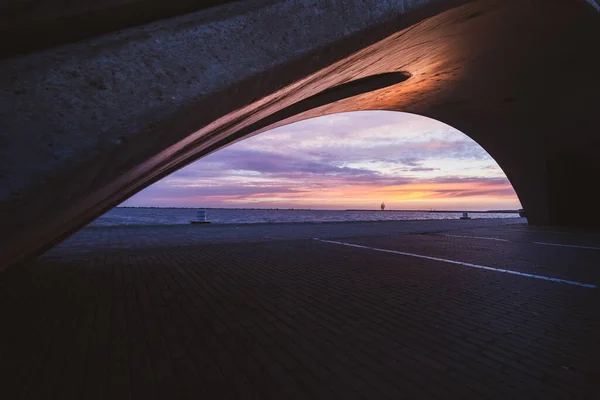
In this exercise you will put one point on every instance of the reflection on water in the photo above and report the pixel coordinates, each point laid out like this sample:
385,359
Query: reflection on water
176,216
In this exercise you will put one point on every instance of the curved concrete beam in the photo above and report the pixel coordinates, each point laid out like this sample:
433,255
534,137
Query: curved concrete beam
83,122
595,4
87,125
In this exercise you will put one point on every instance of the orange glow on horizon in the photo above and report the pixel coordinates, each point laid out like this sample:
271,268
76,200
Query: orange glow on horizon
411,196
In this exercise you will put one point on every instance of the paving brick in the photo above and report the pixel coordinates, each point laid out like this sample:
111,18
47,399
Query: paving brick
298,319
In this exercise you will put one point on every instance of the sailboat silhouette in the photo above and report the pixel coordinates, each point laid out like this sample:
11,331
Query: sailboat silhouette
382,206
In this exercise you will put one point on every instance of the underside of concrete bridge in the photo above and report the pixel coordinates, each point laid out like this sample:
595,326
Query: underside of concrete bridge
98,102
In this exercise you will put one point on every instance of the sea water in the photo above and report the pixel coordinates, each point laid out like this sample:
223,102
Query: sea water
177,216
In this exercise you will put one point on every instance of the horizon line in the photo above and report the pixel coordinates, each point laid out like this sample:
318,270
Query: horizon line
322,209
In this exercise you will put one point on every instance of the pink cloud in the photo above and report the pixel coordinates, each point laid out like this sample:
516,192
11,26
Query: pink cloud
343,161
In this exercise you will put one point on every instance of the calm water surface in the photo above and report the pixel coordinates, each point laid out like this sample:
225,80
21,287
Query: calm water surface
177,216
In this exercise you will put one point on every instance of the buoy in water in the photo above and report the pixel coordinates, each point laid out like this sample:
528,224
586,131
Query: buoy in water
200,218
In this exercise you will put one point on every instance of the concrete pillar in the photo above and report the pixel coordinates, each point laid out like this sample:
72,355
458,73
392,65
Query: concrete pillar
573,180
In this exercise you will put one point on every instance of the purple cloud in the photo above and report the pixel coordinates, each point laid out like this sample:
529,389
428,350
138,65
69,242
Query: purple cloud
363,150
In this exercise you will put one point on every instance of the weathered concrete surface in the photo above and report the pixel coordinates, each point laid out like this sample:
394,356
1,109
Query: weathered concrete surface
595,4
86,125
27,25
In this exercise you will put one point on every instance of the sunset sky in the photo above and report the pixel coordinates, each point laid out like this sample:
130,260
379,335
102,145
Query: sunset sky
341,161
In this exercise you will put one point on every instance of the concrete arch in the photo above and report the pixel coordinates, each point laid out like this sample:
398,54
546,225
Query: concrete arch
88,124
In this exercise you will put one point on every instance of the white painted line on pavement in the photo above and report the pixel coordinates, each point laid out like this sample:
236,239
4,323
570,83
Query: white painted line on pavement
505,240
506,271
567,245
474,237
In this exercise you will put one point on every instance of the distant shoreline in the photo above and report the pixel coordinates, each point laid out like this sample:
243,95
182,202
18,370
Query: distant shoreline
310,209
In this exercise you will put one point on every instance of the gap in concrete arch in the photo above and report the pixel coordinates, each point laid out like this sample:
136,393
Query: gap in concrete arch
347,161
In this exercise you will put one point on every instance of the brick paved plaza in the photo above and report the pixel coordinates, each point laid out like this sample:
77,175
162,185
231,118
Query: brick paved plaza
270,312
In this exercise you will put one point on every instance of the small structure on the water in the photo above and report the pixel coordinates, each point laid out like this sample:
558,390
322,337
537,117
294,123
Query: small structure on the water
465,215
382,206
200,218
